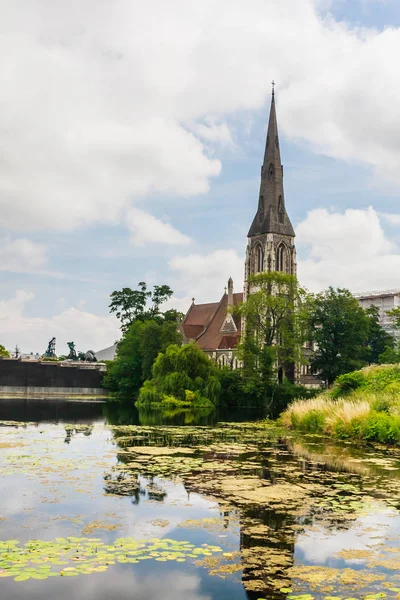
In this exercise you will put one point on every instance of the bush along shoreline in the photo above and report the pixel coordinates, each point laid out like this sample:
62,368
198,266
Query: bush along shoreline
362,405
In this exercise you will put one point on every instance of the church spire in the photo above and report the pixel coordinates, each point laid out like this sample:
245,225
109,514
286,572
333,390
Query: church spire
271,214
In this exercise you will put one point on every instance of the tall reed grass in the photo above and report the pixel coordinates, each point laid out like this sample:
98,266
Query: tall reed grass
367,409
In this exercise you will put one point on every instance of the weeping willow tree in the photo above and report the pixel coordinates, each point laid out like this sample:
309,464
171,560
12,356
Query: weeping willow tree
183,377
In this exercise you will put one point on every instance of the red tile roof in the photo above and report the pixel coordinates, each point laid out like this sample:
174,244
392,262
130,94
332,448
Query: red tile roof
203,323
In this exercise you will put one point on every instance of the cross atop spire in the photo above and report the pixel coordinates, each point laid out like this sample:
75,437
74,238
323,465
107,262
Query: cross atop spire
273,88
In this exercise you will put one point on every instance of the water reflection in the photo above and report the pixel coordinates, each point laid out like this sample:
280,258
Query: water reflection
56,410
123,584
193,483
52,410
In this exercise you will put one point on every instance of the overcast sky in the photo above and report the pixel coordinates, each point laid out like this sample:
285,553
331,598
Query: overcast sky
131,140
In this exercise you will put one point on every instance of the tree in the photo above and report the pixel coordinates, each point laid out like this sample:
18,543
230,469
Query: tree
379,341
3,352
136,353
181,376
275,326
394,314
132,305
390,356
340,329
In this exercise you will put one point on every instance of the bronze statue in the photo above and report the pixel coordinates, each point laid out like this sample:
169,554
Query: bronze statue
72,352
51,349
90,356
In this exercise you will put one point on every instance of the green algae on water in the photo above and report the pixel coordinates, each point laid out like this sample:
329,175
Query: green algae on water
73,556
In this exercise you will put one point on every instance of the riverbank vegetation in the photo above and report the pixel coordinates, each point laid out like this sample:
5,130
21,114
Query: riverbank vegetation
153,368
362,405
3,352
181,377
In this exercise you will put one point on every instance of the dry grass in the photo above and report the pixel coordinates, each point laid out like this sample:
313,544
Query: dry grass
331,411
371,411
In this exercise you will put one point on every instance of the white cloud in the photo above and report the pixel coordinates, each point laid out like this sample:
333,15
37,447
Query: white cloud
87,330
322,546
391,218
174,585
99,102
147,229
22,255
214,132
347,249
204,276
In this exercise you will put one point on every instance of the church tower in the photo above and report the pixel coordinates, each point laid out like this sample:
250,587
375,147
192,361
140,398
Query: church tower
270,244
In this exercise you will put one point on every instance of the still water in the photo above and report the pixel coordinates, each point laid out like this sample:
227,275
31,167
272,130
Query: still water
100,501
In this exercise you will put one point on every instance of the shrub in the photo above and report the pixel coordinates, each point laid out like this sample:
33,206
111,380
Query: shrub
181,377
347,383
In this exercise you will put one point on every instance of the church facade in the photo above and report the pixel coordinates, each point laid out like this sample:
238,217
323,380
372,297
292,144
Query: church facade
270,247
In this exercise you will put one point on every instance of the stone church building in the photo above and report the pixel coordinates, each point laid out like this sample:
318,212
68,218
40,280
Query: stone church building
270,247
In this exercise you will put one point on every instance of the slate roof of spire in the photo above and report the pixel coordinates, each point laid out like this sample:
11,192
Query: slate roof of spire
271,216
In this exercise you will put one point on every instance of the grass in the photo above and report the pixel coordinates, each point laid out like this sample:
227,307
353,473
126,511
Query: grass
363,405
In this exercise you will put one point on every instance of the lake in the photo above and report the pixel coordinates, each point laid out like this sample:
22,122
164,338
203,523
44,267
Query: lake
102,501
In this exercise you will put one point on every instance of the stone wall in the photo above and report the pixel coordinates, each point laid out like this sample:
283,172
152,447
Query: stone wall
39,378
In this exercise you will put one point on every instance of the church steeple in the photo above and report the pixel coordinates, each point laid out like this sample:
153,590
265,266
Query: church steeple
271,237
271,216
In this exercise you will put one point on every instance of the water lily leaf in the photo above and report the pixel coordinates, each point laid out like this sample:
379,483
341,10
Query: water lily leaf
22,577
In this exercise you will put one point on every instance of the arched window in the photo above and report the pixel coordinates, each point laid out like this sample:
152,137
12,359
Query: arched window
260,259
271,172
281,258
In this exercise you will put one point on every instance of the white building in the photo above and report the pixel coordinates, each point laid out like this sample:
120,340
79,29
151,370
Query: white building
106,353
385,301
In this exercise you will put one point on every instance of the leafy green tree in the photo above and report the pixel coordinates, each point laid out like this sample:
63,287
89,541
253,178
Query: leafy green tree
139,305
394,314
340,328
275,327
181,376
173,315
379,341
390,356
136,353
3,352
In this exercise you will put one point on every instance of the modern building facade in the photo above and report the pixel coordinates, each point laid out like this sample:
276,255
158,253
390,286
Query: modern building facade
384,301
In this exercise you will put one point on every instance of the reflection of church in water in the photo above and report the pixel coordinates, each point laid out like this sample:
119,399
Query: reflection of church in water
270,247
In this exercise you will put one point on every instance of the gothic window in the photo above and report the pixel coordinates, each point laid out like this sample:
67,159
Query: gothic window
260,259
281,258
280,209
271,172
